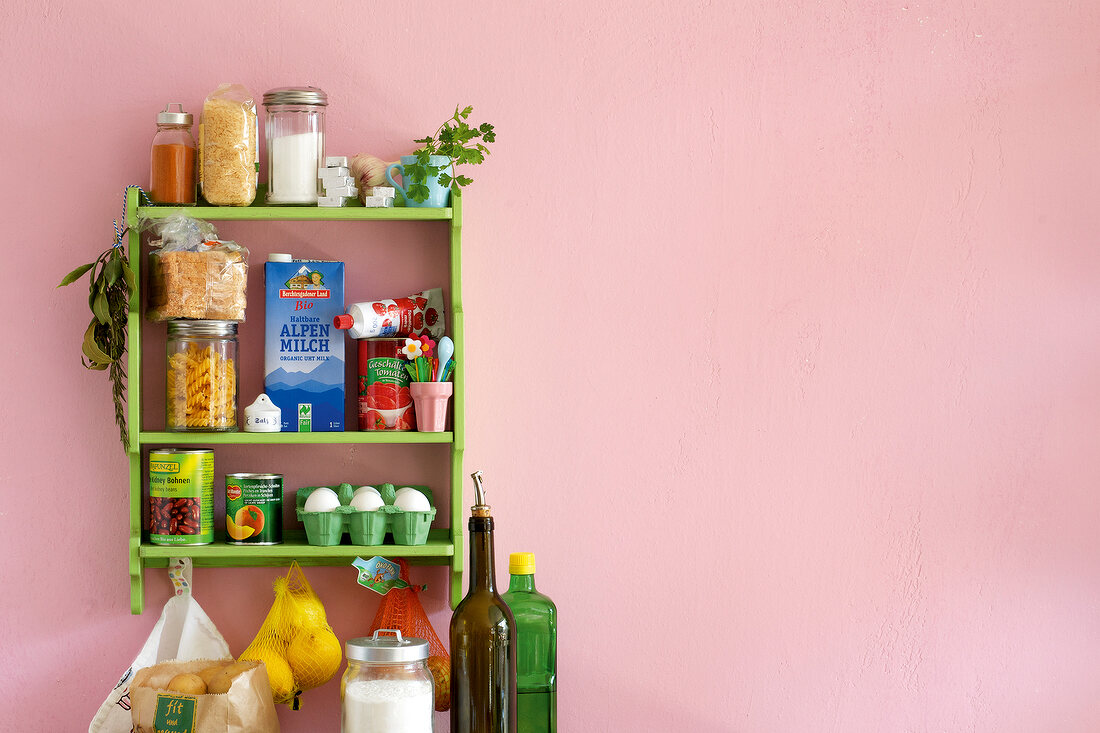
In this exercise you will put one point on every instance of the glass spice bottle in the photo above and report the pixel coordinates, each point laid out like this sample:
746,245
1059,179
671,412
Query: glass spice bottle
172,158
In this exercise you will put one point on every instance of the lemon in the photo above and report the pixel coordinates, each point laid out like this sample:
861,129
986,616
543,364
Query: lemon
309,614
278,673
296,613
314,656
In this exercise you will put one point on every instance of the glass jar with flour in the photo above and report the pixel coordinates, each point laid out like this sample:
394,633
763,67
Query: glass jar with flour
295,132
387,687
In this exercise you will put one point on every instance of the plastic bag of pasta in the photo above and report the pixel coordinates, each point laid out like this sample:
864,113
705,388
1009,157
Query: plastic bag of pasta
228,161
192,273
295,642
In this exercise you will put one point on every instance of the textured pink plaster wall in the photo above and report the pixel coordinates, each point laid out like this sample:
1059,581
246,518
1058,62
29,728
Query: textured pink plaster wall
783,332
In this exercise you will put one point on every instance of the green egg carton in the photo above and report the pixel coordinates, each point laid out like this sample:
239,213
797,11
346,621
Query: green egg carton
326,529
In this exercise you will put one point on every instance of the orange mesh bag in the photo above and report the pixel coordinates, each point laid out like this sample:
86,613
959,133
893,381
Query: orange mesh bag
295,642
401,609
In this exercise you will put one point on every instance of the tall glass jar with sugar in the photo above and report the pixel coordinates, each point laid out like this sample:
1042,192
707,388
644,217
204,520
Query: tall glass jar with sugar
295,132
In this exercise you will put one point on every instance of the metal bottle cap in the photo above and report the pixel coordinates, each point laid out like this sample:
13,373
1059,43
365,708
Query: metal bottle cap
179,117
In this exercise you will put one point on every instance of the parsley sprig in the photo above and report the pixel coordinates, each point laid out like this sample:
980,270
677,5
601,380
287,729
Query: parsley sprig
458,140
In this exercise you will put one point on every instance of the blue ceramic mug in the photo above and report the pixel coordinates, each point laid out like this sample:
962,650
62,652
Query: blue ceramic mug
438,196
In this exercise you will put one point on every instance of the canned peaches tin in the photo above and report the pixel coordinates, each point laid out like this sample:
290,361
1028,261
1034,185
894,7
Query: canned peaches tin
254,508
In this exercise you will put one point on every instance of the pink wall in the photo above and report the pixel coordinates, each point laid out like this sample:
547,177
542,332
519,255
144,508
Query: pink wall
803,420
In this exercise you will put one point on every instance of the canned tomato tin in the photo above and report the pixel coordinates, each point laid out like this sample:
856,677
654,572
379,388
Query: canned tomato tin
181,496
254,508
384,399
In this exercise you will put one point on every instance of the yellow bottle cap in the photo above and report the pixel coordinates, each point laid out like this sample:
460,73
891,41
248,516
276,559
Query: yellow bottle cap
521,563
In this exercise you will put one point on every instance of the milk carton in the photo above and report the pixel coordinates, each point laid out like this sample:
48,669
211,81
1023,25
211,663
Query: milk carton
303,352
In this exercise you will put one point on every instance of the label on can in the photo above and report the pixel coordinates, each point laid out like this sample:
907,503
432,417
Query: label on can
384,399
181,496
254,508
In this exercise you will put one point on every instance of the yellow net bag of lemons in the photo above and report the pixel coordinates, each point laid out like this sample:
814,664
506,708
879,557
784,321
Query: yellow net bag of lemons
295,642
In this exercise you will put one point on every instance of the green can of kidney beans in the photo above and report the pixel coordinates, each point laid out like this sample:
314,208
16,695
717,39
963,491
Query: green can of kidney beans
254,508
181,496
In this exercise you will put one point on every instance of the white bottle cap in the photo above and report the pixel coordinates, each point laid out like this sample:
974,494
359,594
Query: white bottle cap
263,416
277,257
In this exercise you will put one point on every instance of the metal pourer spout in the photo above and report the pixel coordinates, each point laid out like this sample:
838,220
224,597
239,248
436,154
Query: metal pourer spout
480,509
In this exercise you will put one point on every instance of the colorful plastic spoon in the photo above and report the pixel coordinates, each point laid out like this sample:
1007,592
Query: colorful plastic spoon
444,350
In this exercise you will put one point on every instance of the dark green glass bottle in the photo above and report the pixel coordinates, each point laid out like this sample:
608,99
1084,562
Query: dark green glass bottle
536,648
483,640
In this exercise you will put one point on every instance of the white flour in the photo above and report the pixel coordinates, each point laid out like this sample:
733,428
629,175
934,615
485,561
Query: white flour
388,706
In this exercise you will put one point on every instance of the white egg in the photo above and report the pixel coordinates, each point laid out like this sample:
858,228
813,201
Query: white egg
412,500
322,499
367,501
366,489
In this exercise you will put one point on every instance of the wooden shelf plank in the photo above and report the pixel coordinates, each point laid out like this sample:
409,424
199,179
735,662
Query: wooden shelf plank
258,211
241,438
438,550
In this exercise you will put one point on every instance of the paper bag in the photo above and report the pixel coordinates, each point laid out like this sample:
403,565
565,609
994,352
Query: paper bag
246,708
184,631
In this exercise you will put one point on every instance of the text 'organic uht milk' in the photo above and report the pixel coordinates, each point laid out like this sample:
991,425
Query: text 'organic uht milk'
303,352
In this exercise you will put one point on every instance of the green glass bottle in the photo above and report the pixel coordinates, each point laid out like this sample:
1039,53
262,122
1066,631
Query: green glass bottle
483,640
537,648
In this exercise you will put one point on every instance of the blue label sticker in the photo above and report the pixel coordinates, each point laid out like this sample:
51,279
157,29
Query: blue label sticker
379,574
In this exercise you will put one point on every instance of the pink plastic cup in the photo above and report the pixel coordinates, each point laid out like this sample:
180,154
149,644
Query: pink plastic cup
430,400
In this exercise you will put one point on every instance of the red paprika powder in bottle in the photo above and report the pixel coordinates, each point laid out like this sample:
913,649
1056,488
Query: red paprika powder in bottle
172,158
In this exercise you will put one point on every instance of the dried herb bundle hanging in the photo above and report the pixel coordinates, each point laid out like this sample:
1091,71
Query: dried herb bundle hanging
111,281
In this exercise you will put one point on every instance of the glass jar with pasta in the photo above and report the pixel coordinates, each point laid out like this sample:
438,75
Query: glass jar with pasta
202,376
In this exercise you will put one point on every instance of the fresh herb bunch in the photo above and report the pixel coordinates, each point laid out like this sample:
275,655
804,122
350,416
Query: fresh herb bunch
110,284
455,139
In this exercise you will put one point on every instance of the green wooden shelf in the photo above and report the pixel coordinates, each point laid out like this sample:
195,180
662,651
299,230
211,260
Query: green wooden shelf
337,438
438,550
355,211
445,544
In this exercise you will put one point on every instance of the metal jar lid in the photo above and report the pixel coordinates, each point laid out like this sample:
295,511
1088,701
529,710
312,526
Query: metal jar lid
296,95
393,649
178,451
202,328
179,117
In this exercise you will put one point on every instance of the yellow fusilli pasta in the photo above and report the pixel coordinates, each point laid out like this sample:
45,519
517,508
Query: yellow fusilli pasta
201,390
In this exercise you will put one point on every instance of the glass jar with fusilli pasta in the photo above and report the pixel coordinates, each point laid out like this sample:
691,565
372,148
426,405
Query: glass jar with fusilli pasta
201,388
